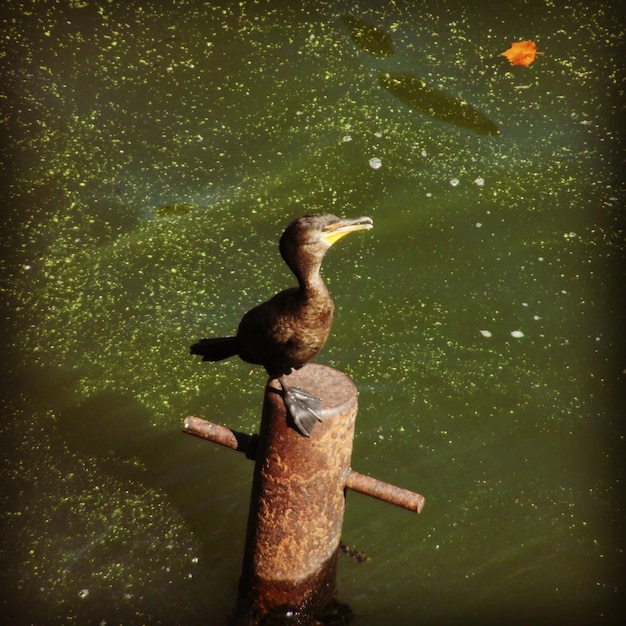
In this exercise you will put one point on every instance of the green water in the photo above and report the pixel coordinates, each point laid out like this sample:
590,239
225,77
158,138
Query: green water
153,154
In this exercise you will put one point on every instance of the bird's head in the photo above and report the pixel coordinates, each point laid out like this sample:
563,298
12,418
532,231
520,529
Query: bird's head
307,238
321,229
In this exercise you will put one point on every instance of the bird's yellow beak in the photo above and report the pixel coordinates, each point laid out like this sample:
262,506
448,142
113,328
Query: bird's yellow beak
335,231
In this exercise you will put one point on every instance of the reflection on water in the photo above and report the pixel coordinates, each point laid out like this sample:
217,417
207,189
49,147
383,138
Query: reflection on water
157,154
368,37
439,105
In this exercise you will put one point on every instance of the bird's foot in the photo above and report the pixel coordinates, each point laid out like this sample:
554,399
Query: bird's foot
304,408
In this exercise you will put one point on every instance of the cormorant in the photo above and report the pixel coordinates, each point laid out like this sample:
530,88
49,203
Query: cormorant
288,330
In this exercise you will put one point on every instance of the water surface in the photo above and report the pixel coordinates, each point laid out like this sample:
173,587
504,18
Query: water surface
155,153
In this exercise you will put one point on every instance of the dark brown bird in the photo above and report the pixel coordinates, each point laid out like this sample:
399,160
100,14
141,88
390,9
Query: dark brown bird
288,330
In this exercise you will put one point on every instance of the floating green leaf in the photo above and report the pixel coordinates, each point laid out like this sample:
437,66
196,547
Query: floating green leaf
415,93
368,37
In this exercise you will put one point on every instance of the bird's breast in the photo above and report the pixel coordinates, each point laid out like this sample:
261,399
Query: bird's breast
285,332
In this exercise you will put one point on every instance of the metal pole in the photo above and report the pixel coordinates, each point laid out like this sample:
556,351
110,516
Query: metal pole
297,504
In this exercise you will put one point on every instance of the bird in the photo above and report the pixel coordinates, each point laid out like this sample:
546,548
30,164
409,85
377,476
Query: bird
288,330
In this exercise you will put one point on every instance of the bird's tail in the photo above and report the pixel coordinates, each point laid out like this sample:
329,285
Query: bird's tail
215,349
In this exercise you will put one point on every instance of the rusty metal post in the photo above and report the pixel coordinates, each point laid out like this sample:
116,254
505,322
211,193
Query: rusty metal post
297,504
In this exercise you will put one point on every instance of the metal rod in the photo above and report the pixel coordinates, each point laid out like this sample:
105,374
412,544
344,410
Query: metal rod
385,491
208,430
218,434
357,482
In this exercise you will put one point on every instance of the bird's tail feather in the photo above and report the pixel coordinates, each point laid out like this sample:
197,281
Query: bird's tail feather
215,349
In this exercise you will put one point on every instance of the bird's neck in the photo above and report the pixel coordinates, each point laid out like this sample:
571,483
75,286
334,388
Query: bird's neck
314,287
310,280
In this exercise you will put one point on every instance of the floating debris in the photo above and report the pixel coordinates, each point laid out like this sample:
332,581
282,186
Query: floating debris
521,53
375,163
415,93
518,334
368,37
485,333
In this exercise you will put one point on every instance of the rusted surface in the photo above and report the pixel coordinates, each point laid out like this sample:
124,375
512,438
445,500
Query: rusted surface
384,491
269,601
297,501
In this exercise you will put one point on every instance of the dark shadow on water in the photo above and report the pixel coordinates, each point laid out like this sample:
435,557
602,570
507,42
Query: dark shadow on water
115,432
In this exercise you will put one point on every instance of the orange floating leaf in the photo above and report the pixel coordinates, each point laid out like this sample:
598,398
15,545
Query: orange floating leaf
521,52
